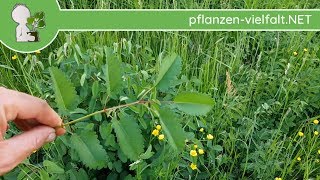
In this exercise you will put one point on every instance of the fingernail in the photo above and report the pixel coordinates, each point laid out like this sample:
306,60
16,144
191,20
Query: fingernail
51,137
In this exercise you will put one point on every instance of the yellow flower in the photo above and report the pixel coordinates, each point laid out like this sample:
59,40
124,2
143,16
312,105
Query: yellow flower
316,133
317,160
201,130
209,136
155,132
161,137
300,134
277,178
201,151
195,146
158,127
38,52
14,57
34,151
319,151
298,158
193,153
305,50
193,166
316,121
295,53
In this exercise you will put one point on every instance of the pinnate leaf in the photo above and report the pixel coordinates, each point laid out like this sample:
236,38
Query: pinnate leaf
129,136
65,93
172,129
194,103
88,147
170,68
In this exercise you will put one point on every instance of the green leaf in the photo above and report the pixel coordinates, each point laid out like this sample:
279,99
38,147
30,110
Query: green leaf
129,136
65,93
95,89
41,24
148,154
77,175
88,147
172,129
39,15
113,73
52,167
194,103
170,68
30,21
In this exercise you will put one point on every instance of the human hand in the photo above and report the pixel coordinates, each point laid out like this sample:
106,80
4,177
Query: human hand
30,114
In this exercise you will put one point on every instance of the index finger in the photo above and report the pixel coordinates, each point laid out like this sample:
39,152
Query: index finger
17,105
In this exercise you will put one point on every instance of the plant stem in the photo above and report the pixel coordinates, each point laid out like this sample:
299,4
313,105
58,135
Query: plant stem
103,111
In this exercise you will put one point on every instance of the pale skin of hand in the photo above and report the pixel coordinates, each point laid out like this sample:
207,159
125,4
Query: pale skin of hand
34,117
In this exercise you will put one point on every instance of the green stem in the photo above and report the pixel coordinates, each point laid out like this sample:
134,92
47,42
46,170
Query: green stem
103,111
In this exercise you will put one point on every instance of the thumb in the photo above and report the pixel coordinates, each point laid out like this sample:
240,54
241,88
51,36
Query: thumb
16,149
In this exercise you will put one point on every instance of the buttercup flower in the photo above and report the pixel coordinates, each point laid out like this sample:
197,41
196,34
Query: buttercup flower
38,52
193,166
305,50
201,151
298,158
300,134
316,133
319,151
210,136
161,137
295,53
195,146
193,153
14,57
277,178
155,132
201,130
316,121
158,127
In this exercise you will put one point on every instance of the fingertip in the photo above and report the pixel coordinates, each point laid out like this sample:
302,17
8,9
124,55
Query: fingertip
60,131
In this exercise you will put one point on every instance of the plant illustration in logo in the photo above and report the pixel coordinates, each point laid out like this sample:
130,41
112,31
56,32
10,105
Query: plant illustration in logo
36,21
26,31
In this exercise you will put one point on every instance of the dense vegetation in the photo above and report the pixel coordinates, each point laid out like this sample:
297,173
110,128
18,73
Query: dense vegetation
265,87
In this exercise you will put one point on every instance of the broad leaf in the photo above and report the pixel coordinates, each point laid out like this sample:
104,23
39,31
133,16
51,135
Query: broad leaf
170,68
172,129
113,73
39,15
65,93
90,152
52,167
129,136
194,103
41,24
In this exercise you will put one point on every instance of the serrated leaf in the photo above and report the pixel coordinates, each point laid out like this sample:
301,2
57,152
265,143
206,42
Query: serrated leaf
113,73
65,93
194,103
172,129
52,167
129,136
170,68
90,152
